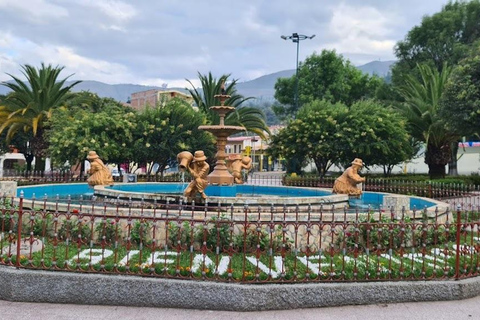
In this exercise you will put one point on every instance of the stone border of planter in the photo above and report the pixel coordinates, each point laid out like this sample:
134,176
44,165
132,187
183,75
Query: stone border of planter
23,285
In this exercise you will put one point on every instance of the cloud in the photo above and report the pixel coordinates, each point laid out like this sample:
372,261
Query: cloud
117,10
362,30
36,11
82,67
167,41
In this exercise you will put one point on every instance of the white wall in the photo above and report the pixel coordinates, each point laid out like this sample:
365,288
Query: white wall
468,163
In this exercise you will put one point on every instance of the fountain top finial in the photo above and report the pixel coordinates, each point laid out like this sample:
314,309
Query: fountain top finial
222,88
223,94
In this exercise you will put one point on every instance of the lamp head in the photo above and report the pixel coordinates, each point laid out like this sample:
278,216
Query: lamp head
283,37
313,36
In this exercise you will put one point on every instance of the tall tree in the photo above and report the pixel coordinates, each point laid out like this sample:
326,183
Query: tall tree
252,119
444,37
163,132
377,134
30,104
326,76
461,101
75,131
441,38
330,134
422,110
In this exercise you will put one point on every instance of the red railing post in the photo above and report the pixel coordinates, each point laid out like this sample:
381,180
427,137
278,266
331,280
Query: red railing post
457,241
19,230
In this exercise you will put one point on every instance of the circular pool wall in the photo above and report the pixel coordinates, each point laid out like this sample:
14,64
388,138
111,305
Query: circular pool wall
237,194
224,195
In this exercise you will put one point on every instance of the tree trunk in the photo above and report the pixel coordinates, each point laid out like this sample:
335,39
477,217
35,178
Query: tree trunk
387,170
82,168
39,147
436,171
321,165
40,164
452,165
437,157
29,159
294,165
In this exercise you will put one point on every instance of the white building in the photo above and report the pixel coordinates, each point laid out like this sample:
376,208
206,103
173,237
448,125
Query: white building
8,161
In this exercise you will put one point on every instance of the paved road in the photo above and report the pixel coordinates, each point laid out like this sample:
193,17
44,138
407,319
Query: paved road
457,310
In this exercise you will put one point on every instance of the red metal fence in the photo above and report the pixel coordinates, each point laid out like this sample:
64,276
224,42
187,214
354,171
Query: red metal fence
254,244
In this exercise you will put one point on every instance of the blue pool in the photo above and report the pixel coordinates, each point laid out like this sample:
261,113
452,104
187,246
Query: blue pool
62,191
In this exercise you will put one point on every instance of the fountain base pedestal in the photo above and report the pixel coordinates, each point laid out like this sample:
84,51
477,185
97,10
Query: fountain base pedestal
220,177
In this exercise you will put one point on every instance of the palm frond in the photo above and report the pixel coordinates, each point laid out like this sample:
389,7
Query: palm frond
251,119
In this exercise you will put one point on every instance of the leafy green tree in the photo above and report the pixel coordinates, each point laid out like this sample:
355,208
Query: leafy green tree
19,140
461,100
421,108
330,134
377,134
252,119
163,132
441,38
73,132
30,104
327,76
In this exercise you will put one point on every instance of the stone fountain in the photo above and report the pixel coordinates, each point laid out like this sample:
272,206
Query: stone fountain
220,175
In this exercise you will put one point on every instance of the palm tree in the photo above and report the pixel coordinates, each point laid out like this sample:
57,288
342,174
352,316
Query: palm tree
252,119
421,108
31,103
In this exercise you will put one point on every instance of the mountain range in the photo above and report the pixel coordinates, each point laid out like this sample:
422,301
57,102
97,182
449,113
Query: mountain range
261,88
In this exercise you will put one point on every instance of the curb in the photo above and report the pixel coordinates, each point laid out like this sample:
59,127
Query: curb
21,285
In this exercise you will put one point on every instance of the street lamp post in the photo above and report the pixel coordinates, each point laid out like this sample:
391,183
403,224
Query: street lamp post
296,38
253,149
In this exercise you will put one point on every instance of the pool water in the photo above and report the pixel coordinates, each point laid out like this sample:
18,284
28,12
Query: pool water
62,191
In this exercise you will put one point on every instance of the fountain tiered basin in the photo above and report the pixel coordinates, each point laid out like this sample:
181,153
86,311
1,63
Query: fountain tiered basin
220,175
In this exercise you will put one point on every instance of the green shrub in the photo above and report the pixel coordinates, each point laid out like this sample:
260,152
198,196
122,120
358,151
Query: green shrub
376,235
71,229
254,238
106,230
139,233
8,221
42,226
179,235
393,234
217,233
474,179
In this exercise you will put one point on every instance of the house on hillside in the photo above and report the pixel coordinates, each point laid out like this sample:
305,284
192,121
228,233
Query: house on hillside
140,100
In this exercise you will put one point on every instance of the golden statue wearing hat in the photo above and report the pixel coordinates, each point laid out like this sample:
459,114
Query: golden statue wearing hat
199,170
99,173
347,182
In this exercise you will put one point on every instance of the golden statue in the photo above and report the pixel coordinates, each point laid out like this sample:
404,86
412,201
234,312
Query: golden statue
347,182
99,173
237,164
199,170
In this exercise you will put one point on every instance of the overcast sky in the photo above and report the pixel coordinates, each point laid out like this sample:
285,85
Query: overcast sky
152,42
